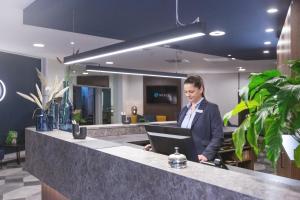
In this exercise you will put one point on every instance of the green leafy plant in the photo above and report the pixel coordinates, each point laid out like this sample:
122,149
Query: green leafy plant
76,115
11,136
273,103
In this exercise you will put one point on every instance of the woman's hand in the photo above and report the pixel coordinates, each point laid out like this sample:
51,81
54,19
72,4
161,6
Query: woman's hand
202,158
148,147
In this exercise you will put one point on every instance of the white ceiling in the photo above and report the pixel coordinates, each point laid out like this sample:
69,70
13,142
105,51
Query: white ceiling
18,38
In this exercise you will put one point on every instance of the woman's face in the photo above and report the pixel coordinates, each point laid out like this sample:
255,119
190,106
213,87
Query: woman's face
192,93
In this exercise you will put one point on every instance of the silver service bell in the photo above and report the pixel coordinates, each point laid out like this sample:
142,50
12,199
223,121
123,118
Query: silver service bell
177,160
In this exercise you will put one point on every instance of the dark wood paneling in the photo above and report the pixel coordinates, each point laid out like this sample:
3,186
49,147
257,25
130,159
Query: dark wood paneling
99,81
171,111
286,167
288,45
48,193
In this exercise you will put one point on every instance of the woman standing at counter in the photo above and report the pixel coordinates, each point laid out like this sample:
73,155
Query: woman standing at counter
203,118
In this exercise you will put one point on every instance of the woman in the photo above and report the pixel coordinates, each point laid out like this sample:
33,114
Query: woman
203,118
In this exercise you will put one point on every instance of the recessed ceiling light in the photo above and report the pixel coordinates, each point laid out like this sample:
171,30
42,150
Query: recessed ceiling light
38,45
267,42
72,43
272,10
241,69
85,73
217,33
269,30
233,58
74,71
109,62
229,55
266,51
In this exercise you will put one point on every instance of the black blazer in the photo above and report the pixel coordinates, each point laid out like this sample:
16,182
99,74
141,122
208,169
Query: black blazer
207,128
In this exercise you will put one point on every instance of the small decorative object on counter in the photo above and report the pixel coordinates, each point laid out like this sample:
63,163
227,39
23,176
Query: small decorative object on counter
78,132
134,110
44,121
45,101
65,111
177,160
125,119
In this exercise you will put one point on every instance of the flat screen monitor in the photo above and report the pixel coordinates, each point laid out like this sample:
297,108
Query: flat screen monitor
161,94
163,139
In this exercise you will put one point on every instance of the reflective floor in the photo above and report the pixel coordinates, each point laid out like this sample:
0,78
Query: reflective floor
17,184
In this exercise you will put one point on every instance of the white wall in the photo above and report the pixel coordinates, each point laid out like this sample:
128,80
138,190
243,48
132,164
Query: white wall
222,89
53,69
133,93
127,91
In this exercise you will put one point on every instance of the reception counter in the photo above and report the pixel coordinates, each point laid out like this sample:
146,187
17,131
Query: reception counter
103,169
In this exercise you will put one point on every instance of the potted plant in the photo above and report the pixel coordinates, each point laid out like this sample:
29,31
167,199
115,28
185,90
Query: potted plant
273,103
44,121
11,137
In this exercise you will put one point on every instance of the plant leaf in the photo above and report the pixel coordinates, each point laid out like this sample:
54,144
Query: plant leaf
25,96
297,156
273,141
238,137
238,108
37,101
60,93
41,77
252,134
295,67
39,93
258,79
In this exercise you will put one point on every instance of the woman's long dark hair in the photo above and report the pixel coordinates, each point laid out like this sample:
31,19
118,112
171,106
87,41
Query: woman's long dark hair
197,82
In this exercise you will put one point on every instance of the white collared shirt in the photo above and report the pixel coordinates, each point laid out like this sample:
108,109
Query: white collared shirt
190,115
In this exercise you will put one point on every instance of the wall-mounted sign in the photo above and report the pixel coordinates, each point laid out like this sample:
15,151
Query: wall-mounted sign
2,90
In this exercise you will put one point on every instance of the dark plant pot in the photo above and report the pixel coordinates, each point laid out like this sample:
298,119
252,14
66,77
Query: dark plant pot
79,133
44,122
125,119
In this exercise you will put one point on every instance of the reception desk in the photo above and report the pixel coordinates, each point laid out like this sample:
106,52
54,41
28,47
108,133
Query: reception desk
103,169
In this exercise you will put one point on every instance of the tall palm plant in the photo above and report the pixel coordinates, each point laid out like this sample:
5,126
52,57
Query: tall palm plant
273,103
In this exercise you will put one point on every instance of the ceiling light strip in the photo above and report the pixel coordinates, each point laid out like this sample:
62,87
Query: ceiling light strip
114,70
171,36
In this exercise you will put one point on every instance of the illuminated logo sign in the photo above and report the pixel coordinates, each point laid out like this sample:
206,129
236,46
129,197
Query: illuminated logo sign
2,90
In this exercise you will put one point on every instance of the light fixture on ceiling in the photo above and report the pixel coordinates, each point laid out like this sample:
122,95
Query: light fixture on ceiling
217,33
267,43
229,55
266,51
72,43
241,69
233,58
109,62
85,73
174,35
272,10
114,70
269,30
40,45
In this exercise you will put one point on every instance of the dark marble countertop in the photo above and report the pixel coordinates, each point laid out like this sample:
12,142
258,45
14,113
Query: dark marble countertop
110,165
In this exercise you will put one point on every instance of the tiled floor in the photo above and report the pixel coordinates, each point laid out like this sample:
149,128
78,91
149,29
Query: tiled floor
17,184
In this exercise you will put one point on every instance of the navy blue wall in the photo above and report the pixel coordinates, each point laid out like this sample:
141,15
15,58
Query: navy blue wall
18,73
